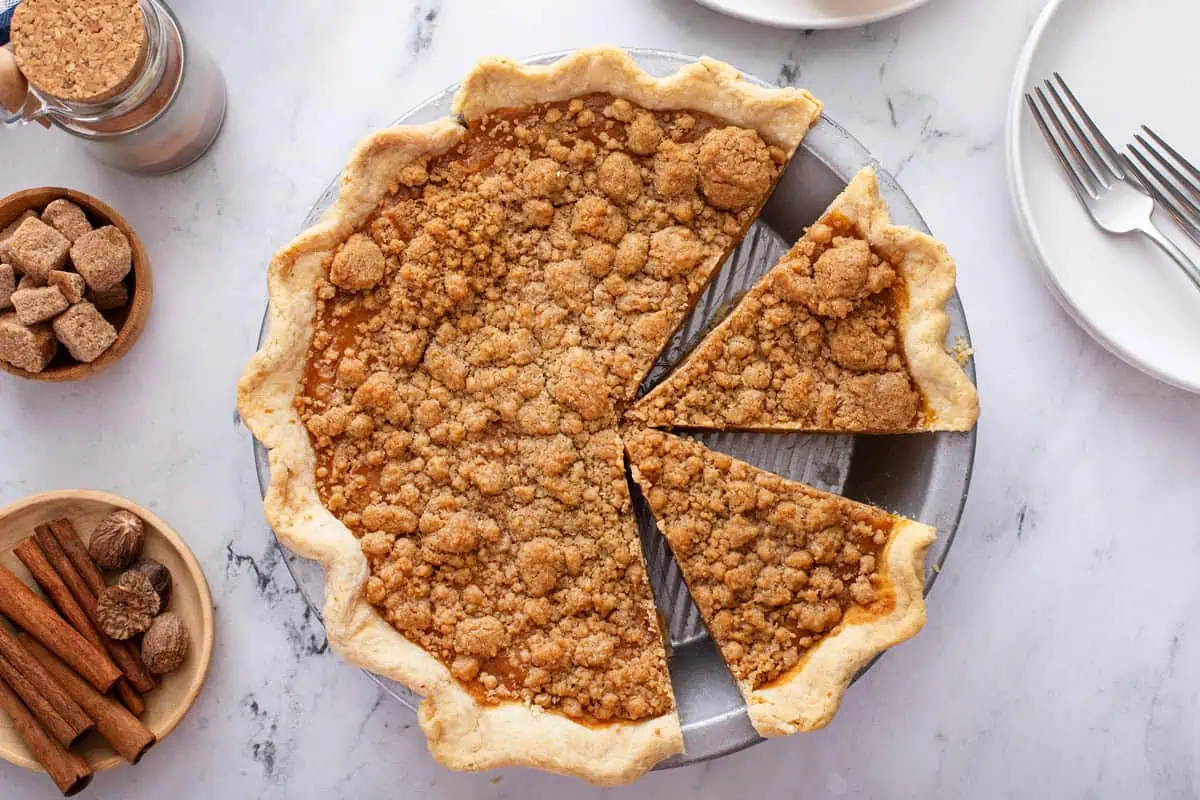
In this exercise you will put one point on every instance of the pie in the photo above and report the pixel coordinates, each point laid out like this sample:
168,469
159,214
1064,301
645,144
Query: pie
846,333
450,354
798,588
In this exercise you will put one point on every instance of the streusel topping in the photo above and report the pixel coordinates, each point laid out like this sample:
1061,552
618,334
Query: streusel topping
475,344
815,345
773,565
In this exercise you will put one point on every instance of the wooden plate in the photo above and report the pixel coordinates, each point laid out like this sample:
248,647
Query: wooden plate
129,321
190,599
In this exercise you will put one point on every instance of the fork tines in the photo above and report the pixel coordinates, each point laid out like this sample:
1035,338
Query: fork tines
1173,181
1089,158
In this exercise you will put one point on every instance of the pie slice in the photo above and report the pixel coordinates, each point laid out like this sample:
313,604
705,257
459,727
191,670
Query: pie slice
799,588
846,333
449,353
630,192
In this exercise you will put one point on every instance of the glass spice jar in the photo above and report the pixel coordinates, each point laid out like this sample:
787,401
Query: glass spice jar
166,114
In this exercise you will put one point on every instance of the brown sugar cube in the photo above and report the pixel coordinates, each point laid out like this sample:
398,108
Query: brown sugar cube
38,305
29,282
27,348
66,218
35,248
115,296
11,228
84,331
71,284
103,257
8,285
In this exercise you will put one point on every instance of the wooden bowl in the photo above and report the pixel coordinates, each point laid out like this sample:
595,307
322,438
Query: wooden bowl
190,599
129,321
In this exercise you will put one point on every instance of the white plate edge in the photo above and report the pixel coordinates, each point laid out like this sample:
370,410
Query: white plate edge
818,24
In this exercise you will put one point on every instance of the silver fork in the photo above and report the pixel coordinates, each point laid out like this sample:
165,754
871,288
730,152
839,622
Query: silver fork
1180,194
1095,170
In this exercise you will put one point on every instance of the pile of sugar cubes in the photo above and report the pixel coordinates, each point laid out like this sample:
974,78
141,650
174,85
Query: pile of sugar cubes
58,275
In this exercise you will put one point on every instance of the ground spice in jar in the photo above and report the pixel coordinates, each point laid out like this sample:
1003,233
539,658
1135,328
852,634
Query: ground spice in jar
120,75
154,104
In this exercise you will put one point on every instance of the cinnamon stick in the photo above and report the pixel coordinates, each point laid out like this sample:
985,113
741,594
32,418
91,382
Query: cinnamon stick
51,721
44,574
124,653
125,732
130,698
55,574
34,615
68,770
41,681
64,532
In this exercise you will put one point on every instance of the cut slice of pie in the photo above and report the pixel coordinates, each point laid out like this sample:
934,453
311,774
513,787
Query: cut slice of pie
449,352
799,588
628,192
846,333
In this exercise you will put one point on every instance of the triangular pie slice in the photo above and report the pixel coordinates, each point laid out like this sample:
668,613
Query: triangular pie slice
799,588
846,333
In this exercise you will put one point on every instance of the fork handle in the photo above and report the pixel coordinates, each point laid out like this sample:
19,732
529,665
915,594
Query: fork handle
1188,266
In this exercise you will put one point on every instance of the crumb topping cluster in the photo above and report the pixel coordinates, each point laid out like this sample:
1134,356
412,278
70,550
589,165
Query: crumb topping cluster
475,344
815,345
772,564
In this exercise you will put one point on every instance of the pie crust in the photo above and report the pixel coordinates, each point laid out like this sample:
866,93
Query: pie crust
781,116
462,732
927,274
808,698
805,696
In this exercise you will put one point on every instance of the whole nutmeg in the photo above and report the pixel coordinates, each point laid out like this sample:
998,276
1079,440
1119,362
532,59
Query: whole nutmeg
117,540
165,645
160,577
127,609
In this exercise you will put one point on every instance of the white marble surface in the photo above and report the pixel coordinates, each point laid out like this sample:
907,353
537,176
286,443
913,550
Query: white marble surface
1059,658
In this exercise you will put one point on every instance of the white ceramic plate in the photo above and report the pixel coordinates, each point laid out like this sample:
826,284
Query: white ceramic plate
1129,64
812,13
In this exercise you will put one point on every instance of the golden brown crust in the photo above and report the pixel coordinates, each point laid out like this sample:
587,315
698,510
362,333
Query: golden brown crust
715,385
462,733
807,698
269,385
781,116
758,556
929,275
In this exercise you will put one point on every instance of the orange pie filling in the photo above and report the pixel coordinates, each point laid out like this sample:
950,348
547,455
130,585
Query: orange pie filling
474,346
816,345
773,565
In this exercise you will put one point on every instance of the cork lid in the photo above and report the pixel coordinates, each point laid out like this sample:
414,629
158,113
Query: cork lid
79,50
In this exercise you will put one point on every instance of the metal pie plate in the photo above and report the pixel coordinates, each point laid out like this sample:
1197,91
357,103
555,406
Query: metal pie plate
923,476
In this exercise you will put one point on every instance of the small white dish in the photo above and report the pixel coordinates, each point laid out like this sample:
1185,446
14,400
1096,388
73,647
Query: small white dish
812,13
1129,64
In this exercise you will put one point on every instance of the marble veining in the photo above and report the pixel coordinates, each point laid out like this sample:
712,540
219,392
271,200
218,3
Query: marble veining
1059,659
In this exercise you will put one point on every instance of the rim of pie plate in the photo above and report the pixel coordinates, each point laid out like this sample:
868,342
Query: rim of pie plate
462,732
